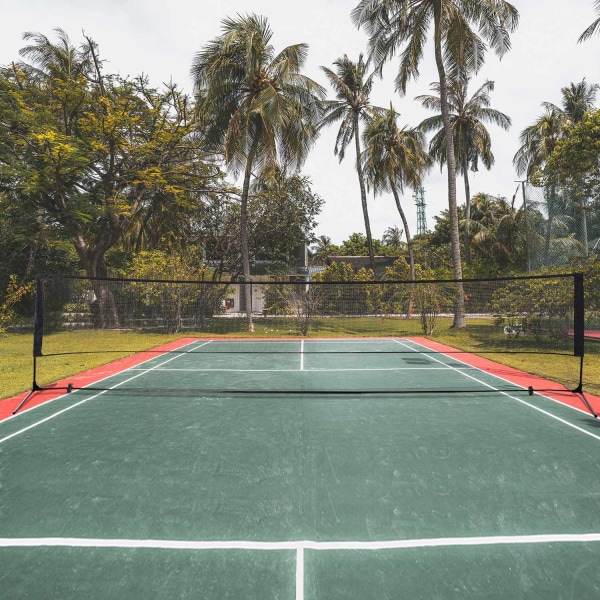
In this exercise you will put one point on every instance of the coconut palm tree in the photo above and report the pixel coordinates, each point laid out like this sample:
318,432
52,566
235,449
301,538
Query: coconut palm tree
400,27
539,140
537,143
472,141
352,86
577,100
322,248
254,107
392,237
499,232
594,27
393,158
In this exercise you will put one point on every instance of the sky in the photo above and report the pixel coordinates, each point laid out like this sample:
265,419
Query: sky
160,39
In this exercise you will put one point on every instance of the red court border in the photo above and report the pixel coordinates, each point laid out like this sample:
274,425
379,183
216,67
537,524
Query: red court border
89,377
514,375
96,374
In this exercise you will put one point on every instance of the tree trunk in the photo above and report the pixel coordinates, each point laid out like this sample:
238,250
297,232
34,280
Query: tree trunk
467,236
94,264
459,303
244,236
411,258
363,195
550,203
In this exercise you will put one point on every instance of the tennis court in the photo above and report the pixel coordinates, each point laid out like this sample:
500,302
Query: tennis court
300,469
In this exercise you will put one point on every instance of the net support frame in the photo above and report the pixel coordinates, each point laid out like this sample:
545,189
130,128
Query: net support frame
578,326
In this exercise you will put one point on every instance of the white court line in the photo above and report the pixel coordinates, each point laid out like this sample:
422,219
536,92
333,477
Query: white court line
300,573
302,355
68,408
444,542
48,402
296,370
520,400
301,545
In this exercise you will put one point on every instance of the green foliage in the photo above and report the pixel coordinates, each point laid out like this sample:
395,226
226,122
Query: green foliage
282,215
541,307
592,287
165,297
14,293
357,245
575,160
94,156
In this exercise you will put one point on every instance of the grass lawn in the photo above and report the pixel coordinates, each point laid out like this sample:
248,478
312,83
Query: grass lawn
82,350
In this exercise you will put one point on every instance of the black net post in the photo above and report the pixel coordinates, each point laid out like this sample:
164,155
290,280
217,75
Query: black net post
38,334
579,333
578,312
38,325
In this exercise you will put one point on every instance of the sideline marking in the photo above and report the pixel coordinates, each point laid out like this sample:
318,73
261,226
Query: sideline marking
68,408
457,370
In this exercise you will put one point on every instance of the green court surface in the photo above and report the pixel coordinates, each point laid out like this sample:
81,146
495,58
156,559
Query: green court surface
300,471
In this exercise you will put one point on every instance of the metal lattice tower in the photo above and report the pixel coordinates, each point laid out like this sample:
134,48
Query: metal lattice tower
419,197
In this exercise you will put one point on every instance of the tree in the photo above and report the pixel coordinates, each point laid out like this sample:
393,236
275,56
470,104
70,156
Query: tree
254,108
472,141
283,211
392,237
537,144
577,100
499,234
401,26
575,160
357,245
539,141
352,87
594,27
575,164
393,158
90,153
322,249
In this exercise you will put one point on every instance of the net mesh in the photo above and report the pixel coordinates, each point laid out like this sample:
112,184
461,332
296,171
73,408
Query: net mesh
528,314
563,226
302,337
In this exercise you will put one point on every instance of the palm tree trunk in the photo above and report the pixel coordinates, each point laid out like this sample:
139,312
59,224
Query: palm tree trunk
411,258
459,303
467,238
550,203
363,195
244,236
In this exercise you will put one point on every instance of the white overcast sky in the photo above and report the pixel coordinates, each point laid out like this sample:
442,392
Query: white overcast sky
160,37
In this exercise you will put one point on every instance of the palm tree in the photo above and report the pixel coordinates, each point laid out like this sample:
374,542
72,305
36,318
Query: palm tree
254,107
322,248
394,157
352,87
594,27
472,141
578,99
62,60
537,143
392,237
401,26
539,140
499,232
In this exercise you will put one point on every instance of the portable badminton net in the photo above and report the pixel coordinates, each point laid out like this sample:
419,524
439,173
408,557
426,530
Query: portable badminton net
292,348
